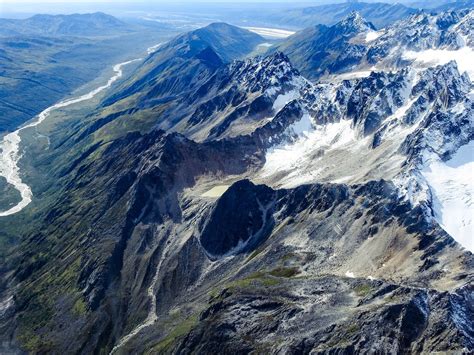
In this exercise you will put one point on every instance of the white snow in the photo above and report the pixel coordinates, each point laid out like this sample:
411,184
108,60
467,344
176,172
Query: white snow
464,58
372,35
303,126
350,274
270,32
352,75
458,108
154,48
452,186
283,99
295,158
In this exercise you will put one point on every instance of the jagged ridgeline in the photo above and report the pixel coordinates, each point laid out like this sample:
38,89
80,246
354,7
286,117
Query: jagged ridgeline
216,202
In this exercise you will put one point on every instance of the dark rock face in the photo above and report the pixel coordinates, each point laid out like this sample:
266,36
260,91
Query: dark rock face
203,98
145,224
243,320
239,220
276,313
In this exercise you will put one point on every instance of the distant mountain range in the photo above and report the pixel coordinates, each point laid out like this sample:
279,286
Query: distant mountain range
95,24
442,5
380,14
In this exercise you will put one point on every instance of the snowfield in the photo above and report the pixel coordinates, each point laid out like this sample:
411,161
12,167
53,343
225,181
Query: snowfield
452,186
373,35
284,99
464,58
270,32
297,160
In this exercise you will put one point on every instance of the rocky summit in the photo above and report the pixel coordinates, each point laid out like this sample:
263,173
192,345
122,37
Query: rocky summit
315,198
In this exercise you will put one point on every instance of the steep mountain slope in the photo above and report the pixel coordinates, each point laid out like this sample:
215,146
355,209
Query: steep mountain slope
268,214
183,77
211,47
322,49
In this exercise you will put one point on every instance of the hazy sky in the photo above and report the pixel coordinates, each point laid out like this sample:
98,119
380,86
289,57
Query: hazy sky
62,6
156,2
26,8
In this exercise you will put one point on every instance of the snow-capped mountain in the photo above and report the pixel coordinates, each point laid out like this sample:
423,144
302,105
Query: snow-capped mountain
386,123
378,127
354,47
239,98
320,50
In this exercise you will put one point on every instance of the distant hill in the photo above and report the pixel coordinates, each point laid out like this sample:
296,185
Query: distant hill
93,24
456,5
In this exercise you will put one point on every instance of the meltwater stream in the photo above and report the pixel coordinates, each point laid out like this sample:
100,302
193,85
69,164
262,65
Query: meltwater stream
10,145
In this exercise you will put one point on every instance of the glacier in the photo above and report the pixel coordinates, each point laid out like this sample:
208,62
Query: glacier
452,187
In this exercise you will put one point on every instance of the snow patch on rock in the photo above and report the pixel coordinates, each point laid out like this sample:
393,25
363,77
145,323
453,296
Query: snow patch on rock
270,32
283,99
373,35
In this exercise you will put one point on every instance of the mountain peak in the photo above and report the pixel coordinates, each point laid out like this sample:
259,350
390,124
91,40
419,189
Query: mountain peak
354,23
229,42
223,28
278,57
261,73
219,26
